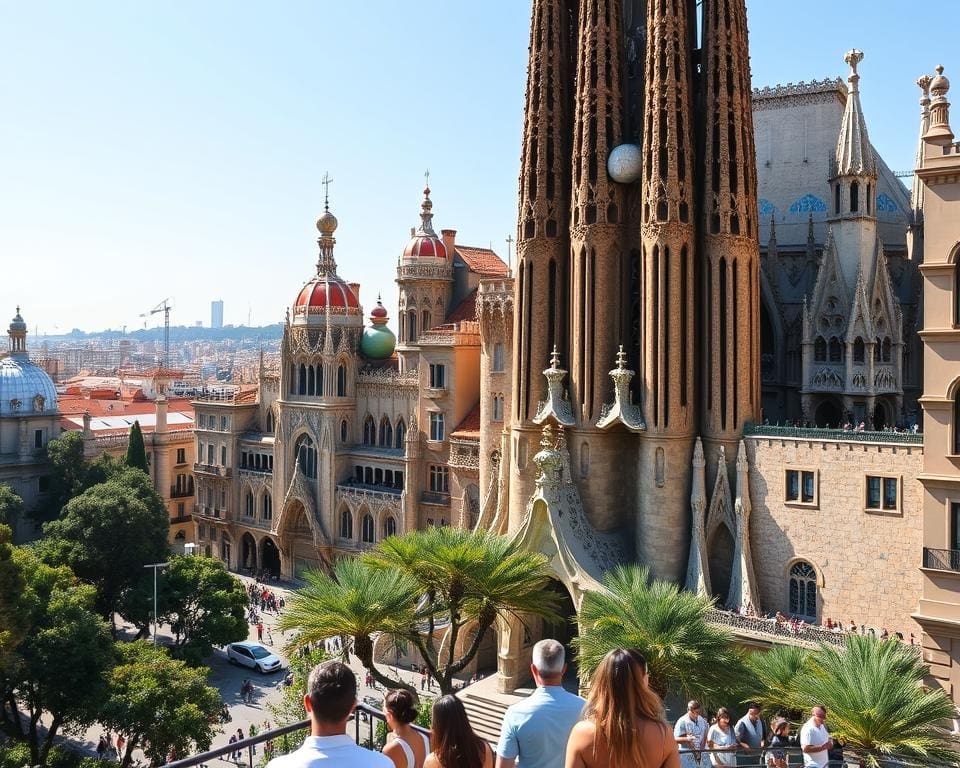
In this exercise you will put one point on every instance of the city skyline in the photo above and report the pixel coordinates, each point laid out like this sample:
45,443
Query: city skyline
177,152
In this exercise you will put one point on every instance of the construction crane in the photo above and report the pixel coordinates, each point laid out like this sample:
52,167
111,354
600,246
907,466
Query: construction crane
163,306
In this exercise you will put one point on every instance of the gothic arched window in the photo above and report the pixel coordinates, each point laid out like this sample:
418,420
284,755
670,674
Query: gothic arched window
270,422
425,324
311,380
344,431
306,455
412,327
803,591
400,434
366,529
346,524
877,350
386,433
369,431
248,504
267,507
854,197
886,350
302,388
858,350
341,380
390,526
320,380
820,350
836,350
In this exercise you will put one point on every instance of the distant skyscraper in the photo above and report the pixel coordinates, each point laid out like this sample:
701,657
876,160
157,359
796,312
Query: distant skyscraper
216,314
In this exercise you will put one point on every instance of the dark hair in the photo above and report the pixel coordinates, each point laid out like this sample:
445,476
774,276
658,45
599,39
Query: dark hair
454,742
753,705
332,689
401,705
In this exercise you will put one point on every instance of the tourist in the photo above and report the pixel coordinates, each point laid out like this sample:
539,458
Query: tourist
330,700
815,740
121,745
409,747
535,730
777,756
721,737
750,735
690,733
455,745
624,725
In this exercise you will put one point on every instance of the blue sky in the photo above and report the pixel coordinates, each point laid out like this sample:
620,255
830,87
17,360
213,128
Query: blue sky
154,150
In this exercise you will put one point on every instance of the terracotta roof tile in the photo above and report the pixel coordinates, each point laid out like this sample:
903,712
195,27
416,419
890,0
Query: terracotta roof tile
470,426
483,261
465,310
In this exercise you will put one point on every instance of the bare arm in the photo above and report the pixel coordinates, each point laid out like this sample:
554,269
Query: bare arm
431,762
580,741
395,753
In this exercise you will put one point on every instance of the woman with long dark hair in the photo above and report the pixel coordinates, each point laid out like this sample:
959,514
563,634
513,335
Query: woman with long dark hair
624,725
409,747
455,745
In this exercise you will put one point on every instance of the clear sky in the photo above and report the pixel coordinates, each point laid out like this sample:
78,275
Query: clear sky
175,150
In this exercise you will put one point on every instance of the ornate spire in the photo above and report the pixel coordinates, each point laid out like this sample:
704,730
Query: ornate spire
426,211
623,411
698,571
327,225
18,334
916,196
854,152
939,131
556,405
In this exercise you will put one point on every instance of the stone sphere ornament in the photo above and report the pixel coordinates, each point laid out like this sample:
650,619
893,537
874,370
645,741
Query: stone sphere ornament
625,164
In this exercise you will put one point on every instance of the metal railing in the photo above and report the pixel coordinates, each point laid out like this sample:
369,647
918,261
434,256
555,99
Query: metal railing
941,559
761,626
848,435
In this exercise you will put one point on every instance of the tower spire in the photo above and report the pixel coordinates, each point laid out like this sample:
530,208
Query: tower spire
854,153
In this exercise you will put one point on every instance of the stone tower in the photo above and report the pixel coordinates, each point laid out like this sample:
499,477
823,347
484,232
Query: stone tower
730,278
543,237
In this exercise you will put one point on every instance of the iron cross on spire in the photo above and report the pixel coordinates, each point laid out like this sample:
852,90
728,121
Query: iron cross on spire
326,181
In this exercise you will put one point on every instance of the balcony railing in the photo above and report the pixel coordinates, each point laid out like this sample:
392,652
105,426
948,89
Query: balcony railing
205,511
848,435
434,497
181,492
941,559
770,627
213,469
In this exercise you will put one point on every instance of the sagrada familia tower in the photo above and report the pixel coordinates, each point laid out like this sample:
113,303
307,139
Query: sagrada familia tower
637,271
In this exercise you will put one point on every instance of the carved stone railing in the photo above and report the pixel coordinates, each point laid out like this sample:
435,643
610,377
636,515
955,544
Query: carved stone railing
771,629
111,441
385,376
847,435
464,454
370,492
425,271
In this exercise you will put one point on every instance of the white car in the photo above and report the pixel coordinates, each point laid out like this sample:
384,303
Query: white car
255,656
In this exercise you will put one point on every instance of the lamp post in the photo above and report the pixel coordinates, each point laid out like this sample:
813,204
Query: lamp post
156,567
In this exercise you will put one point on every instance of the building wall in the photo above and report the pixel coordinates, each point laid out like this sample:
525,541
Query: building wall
866,562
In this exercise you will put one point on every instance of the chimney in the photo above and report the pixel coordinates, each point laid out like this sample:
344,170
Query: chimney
449,241
160,406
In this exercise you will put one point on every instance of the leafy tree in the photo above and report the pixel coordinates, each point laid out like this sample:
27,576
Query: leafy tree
428,588
136,450
878,704
107,534
204,605
68,471
59,665
685,654
11,505
289,709
13,623
159,703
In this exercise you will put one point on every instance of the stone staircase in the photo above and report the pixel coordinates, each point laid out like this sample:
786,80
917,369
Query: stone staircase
485,713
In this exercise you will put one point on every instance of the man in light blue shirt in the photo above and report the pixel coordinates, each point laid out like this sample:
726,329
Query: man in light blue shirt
535,731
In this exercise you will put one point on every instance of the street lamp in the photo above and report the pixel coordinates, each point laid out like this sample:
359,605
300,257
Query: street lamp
156,567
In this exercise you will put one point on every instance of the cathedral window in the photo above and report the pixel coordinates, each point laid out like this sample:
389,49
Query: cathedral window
403,327
341,380
425,324
400,434
836,199
293,380
320,380
498,407
437,432
836,350
390,526
439,479
803,591
412,326
877,351
311,381
367,529
306,453
498,357
344,431
302,385
270,422
858,350
438,376
820,350
868,200
369,431
248,504
886,350
854,197
266,507
346,524
210,449
386,433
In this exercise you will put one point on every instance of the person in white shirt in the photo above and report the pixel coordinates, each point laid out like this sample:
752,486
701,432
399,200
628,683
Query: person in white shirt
690,734
330,700
815,740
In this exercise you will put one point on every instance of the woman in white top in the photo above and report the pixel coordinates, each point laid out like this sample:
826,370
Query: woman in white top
408,748
721,736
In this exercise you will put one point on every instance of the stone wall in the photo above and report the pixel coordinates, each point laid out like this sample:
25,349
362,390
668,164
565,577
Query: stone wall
867,563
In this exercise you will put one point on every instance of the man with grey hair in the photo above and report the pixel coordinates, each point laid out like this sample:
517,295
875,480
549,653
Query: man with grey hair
535,731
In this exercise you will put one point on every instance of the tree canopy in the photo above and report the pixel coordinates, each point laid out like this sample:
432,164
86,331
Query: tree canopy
11,505
136,450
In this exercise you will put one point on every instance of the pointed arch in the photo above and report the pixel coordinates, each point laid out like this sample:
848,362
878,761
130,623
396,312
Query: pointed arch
344,431
366,527
389,526
859,350
386,433
836,350
400,434
266,506
305,452
341,380
820,349
302,388
369,431
346,523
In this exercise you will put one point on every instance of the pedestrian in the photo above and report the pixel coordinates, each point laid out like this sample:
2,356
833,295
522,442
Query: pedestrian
101,747
121,744
233,753
535,730
251,732
269,636
721,737
623,721
751,736
240,737
815,739
259,631
423,680
777,756
331,698
409,747
690,733
455,745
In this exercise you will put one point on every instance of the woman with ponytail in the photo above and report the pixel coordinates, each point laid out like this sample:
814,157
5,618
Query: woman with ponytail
624,725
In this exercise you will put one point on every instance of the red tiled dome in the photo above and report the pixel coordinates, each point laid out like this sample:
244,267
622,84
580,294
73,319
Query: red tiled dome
322,292
425,247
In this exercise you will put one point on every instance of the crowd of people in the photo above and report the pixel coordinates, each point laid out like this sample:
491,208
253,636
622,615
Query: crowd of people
795,625
848,425
622,723
110,749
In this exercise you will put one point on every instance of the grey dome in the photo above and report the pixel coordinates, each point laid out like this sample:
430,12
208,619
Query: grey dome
20,383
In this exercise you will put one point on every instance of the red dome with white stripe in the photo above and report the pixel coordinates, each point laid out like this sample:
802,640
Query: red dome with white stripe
425,244
322,293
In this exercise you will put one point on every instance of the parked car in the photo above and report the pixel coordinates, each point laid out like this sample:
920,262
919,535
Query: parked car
255,656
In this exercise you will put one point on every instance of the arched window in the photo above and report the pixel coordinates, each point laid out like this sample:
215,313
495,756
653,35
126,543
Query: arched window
369,431
320,380
270,423
266,507
877,350
956,292
400,434
293,379
386,433
390,526
181,537
366,529
886,350
836,350
341,380
306,456
344,431
869,198
248,504
311,380
858,350
302,388
346,524
803,591
956,422
412,326
854,197
425,324
403,327
820,349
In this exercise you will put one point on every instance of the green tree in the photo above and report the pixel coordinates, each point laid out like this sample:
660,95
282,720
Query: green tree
136,450
289,709
204,605
14,624
685,654
773,679
428,588
107,534
159,703
878,704
59,666
68,471
11,505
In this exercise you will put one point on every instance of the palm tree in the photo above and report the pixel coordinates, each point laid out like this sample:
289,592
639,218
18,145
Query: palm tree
356,601
773,679
685,654
469,579
878,704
